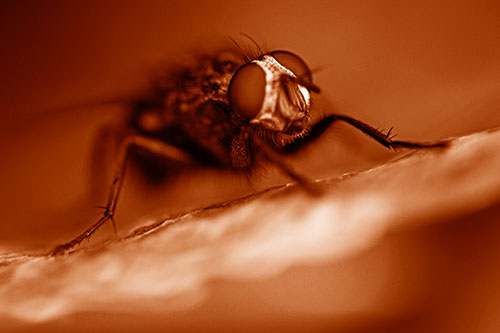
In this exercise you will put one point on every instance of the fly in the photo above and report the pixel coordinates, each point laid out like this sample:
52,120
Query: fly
227,112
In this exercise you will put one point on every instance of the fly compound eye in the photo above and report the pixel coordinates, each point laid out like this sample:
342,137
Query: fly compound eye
246,90
298,66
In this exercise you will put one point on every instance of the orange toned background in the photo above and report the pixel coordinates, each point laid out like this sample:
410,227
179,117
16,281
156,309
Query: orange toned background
431,69
423,66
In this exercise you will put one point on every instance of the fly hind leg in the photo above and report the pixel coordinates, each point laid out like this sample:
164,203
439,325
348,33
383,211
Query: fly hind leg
152,145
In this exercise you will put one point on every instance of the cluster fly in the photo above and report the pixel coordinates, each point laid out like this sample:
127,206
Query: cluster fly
227,112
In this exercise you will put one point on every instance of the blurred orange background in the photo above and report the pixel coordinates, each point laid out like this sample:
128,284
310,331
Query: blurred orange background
428,68
431,69
420,65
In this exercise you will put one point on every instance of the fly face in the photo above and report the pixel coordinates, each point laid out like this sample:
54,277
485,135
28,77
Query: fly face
273,93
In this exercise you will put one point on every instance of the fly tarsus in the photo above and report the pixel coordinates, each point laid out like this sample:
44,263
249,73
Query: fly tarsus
417,145
67,247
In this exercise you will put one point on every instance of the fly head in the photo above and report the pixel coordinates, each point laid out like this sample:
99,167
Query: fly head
273,94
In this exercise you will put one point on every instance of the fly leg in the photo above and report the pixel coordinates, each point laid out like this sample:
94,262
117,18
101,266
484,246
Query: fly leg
385,139
277,160
154,146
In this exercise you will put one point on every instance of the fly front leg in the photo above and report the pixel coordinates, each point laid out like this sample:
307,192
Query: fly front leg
386,139
277,160
152,145
317,130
